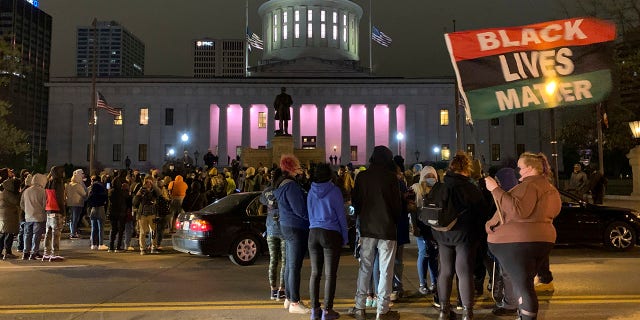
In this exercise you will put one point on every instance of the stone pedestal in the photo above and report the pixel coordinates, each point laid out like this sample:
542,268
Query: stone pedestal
281,145
634,161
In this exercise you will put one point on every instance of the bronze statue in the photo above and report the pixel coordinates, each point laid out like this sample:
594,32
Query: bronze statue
282,104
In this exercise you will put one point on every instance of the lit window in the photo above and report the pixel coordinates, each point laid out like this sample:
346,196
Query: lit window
335,17
309,15
262,119
344,27
296,15
322,15
335,32
309,30
284,31
296,30
275,28
144,116
117,120
444,117
445,152
284,17
323,31
495,152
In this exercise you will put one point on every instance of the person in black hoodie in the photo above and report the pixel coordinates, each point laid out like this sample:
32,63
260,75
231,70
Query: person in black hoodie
377,203
96,206
117,212
457,247
196,199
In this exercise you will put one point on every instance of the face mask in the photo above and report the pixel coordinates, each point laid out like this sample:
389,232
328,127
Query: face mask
430,181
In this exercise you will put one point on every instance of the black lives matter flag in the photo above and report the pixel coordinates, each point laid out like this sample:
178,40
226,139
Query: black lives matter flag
503,71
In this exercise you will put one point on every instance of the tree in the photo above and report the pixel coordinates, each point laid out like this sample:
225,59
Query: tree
14,140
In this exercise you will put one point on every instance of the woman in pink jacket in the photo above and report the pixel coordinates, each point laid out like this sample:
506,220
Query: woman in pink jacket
521,233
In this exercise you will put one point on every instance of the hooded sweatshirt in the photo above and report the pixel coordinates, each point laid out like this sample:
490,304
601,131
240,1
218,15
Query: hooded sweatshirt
326,208
56,183
292,205
34,199
178,188
76,190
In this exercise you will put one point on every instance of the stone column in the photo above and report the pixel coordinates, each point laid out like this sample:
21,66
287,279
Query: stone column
295,127
222,136
270,125
246,126
393,129
634,162
371,137
345,149
320,135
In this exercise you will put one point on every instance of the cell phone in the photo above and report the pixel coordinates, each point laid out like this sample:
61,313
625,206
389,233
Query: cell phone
108,185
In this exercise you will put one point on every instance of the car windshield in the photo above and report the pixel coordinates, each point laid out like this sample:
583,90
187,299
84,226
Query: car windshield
227,203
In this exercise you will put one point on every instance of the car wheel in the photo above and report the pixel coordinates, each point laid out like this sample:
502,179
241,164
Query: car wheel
244,251
619,236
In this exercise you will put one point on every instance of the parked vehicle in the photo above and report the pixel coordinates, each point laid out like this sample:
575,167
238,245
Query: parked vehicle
581,222
233,226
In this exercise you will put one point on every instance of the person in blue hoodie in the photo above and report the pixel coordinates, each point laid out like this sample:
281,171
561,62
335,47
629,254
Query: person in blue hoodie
327,235
294,224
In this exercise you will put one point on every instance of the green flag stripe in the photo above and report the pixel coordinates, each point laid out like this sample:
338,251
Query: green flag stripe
528,95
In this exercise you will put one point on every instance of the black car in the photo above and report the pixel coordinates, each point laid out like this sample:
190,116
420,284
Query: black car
233,225
582,222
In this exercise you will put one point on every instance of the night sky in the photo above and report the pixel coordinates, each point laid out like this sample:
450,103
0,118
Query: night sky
168,27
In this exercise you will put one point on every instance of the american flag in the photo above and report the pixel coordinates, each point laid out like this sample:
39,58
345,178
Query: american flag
380,38
254,41
102,103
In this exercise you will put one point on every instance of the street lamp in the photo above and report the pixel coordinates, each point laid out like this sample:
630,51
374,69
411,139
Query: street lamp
196,155
399,137
634,158
185,139
417,153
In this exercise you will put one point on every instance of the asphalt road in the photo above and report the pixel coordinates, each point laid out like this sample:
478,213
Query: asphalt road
590,283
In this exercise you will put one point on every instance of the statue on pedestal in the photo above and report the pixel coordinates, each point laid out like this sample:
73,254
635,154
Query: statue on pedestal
282,104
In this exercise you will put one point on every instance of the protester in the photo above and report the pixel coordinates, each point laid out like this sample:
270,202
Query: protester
9,216
327,235
275,239
117,212
56,213
597,184
145,200
294,223
377,203
76,193
521,233
177,191
427,246
457,247
33,202
96,203
578,182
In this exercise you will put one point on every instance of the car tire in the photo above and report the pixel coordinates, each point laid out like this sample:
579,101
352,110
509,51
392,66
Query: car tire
619,236
245,250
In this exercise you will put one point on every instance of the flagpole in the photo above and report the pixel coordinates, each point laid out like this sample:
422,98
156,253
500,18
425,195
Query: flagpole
93,120
370,40
246,35
457,104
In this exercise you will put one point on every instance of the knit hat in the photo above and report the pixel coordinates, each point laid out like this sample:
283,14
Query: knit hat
322,173
381,156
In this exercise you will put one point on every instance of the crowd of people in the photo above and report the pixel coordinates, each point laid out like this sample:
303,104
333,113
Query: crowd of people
503,228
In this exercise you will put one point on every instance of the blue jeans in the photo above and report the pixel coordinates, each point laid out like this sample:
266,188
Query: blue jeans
129,226
76,212
296,246
386,256
96,231
32,236
427,261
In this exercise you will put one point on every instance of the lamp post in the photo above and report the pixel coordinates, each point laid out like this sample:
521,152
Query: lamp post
634,158
399,137
417,153
436,150
185,139
196,155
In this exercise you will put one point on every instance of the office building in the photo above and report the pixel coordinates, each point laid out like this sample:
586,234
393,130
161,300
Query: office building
119,52
28,29
214,58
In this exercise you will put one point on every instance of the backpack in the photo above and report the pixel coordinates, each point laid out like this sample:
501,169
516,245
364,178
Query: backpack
438,210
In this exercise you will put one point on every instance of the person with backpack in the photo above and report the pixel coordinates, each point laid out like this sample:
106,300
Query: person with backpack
457,246
521,232
275,239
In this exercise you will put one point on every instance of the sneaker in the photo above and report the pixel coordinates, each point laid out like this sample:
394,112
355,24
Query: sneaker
45,257
35,256
394,296
25,256
274,294
94,247
131,249
102,247
544,287
281,295
8,256
142,252
370,302
286,304
359,314
298,308
154,250
423,290
330,314
390,315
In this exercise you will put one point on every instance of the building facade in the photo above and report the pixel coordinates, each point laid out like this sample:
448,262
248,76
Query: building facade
28,29
118,52
219,58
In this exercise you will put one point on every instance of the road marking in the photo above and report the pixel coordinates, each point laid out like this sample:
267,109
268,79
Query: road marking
265,305
47,266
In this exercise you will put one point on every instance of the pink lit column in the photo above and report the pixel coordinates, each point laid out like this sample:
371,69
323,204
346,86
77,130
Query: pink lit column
246,125
371,139
345,148
393,129
222,135
320,140
296,127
